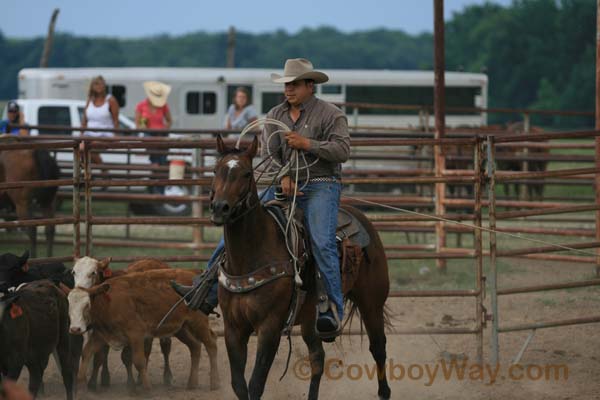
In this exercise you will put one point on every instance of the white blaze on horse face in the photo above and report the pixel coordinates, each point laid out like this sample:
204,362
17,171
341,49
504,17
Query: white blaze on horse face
79,310
85,272
233,163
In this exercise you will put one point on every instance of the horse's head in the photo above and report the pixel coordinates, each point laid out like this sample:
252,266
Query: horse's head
233,184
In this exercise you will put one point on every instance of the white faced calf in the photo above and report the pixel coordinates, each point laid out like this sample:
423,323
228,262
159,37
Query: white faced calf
88,271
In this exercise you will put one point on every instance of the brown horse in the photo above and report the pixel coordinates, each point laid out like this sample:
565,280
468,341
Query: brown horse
29,165
508,160
252,242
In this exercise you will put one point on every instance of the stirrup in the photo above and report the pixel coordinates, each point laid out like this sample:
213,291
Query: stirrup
322,308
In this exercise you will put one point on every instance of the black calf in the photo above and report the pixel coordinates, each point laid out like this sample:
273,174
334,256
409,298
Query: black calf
34,324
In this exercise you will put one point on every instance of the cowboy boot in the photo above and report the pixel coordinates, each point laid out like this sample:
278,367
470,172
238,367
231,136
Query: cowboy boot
195,296
328,325
182,291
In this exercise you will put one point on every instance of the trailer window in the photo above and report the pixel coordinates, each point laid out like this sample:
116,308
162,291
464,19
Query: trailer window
270,100
201,103
192,102
209,102
54,115
119,92
331,89
421,96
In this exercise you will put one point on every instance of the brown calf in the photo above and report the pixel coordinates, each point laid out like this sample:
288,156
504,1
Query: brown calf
127,309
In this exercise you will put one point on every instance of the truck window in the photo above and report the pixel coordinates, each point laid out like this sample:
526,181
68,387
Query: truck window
119,91
54,115
201,103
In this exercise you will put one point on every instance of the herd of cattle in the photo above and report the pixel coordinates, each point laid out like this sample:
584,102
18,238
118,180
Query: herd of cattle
77,315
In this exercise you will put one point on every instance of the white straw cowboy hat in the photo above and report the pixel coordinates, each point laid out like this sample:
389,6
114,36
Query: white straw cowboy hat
157,92
299,68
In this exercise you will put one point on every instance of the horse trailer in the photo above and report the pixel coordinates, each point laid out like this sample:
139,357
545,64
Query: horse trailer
200,96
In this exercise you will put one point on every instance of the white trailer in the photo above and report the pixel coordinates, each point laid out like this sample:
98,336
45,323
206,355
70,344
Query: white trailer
201,96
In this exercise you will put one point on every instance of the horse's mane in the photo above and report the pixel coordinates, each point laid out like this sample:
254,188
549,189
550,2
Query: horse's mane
231,151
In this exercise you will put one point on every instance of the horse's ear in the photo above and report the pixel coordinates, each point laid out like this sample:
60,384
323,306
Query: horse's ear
221,148
251,151
23,259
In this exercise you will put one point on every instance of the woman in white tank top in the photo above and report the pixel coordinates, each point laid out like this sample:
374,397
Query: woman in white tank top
101,111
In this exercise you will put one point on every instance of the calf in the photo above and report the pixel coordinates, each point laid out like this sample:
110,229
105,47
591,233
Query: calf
34,324
127,309
15,270
88,272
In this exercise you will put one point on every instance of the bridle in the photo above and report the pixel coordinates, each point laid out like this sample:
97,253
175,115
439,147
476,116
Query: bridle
242,207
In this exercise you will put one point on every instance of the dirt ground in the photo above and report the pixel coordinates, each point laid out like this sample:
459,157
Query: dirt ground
413,359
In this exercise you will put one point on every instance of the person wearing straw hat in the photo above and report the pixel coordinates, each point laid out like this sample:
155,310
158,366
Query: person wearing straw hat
320,130
153,112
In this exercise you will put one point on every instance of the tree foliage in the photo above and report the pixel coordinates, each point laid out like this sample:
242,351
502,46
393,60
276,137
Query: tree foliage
537,53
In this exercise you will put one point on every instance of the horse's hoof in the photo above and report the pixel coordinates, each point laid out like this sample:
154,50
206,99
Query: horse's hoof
215,385
168,379
385,395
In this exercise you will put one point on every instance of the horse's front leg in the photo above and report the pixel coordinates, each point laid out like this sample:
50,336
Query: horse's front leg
316,356
269,336
236,341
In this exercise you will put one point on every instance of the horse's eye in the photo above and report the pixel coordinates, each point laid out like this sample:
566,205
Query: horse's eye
248,174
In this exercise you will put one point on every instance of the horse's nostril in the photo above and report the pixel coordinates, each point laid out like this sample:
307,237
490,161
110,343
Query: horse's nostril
225,208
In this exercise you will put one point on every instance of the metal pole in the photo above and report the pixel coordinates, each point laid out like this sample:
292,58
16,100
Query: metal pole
492,223
598,128
88,198
198,161
523,188
439,102
76,201
478,244
231,48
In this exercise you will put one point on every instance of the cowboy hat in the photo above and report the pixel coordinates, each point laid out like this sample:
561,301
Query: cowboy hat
299,68
157,92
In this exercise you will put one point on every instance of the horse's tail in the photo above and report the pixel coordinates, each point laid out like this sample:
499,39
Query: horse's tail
47,169
375,250
388,316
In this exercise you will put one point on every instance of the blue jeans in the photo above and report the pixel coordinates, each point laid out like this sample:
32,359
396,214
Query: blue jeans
320,204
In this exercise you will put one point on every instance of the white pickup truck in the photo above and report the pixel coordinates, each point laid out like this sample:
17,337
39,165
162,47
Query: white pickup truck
64,112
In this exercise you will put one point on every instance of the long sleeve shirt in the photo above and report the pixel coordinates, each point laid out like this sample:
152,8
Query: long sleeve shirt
324,125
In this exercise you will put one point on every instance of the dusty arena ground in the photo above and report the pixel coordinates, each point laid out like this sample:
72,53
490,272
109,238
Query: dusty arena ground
574,349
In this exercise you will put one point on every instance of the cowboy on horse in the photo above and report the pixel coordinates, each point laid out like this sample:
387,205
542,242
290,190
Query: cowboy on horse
320,131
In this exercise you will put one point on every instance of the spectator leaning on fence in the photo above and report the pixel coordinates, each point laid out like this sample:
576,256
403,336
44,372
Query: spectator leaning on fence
153,112
101,112
15,117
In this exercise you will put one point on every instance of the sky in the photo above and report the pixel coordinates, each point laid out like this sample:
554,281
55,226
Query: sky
135,18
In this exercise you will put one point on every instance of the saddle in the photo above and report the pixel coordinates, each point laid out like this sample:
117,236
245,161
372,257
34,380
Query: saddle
351,235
